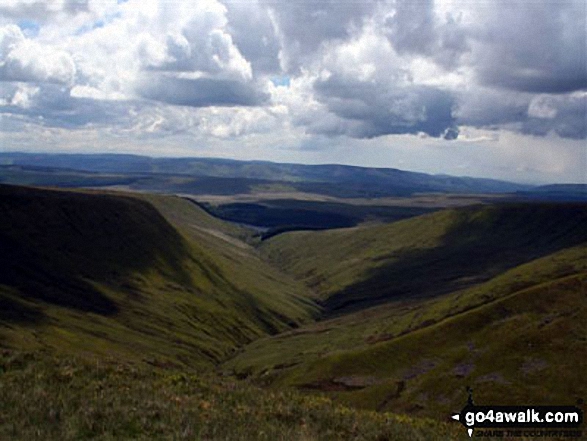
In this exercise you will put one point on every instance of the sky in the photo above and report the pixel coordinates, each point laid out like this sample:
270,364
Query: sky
484,88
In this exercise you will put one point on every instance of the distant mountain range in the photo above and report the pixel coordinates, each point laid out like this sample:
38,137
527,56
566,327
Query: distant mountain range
214,176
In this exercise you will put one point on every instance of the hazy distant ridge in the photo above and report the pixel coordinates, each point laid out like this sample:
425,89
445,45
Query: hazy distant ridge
310,178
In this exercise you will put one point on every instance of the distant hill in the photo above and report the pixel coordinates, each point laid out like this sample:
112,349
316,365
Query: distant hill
214,174
555,192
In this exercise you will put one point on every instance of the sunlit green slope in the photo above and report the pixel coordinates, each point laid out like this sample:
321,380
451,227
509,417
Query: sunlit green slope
434,254
520,337
95,273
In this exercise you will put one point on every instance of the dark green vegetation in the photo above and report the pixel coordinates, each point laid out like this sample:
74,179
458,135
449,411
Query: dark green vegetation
48,398
115,274
223,176
493,297
278,215
426,256
118,312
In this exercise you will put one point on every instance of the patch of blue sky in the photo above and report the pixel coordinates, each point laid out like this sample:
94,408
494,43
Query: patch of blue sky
100,23
29,28
281,81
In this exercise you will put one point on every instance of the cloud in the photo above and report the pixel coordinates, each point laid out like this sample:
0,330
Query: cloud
22,96
419,29
369,91
489,108
10,37
185,52
196,41
565,115
515,45
370,110
26,60
539,115
354,71
531,47
254,33
42,10
29,61
51,105
304,26
200,92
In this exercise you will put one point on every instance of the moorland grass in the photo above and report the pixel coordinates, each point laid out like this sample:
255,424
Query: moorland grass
438,253
43,397
519,337
116,310
91,272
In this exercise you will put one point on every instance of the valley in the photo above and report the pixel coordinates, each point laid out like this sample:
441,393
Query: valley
343,317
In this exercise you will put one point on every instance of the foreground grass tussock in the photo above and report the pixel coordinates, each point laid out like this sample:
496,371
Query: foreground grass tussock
48,398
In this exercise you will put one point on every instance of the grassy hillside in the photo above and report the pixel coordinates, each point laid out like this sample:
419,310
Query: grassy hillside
434,254
110,274
116,311
518,338
231,250
51,398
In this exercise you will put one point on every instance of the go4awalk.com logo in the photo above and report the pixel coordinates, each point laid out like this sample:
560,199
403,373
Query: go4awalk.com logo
520,421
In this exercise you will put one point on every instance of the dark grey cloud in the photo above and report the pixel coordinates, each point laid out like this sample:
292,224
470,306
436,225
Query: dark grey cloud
200,92
305,25
412,28
42,10
519,45
538,115
255,35
532,46
369,109
537,79
415,28
489,108
564,115
53,106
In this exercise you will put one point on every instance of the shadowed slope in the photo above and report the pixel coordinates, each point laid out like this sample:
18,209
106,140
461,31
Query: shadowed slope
517,339
492,297
58,243
88,272
425,256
